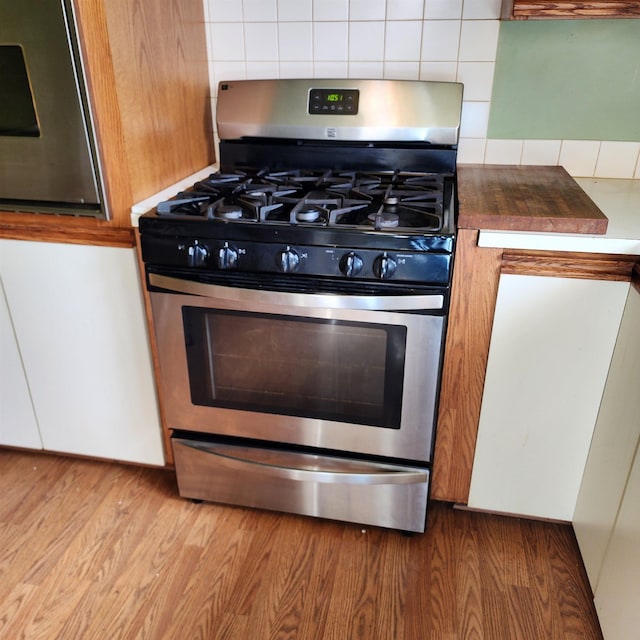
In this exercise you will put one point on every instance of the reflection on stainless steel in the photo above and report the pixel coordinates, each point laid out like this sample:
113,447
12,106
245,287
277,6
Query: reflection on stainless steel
321,486
58,166
401,111
425,335
304,300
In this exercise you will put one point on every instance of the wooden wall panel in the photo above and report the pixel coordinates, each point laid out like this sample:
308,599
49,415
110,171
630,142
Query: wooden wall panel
158,50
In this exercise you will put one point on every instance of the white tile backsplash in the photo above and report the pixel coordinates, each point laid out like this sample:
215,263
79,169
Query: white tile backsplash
366,41
402,70
477,78
475,119
443,9
579,157
445,40
261,41
541,152
440,40
503,152
405,9
402,40
224,10
295,10
227,41
330,10
295,41
442,71
367,10
260,10
479,40
368,70
617,159
330,41
481,9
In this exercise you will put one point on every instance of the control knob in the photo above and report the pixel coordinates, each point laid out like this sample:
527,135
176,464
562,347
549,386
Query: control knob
227,257
197,254
351,264
384,266
288,260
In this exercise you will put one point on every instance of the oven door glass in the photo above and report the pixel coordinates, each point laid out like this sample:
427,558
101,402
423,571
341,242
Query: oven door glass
316,368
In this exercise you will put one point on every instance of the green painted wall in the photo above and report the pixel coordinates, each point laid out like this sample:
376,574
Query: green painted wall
567,80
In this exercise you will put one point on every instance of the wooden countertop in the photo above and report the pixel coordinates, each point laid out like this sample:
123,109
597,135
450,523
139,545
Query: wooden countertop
525,198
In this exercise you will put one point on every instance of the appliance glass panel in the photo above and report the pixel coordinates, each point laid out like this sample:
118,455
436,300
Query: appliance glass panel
17,113
324,369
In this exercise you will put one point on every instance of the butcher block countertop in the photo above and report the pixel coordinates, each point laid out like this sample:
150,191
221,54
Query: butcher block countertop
525,198
544,208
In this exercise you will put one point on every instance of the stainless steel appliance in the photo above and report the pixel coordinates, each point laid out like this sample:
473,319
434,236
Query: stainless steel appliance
47,158
300,298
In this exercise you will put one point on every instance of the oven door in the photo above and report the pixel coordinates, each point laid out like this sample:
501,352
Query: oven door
47,161
341,372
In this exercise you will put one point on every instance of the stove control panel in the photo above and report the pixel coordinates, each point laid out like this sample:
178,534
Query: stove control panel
207,254
336,102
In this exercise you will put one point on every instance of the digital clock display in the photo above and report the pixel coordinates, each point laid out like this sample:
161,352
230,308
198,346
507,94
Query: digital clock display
333,102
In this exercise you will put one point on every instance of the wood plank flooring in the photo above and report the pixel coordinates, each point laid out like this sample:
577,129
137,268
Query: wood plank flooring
92,550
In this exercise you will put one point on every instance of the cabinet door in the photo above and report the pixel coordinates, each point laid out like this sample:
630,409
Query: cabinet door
614,441
616,597
79,321
18,424
551,345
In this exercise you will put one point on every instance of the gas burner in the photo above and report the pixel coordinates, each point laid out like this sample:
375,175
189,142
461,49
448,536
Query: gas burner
382,201
228,212
309,213
384,219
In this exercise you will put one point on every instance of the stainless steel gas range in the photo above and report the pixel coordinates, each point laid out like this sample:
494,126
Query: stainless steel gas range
300,298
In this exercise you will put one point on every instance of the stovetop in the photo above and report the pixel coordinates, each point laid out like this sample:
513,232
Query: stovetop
394,201
308,189
378,225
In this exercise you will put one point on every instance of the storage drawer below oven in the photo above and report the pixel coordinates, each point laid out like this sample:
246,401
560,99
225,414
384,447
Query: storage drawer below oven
343,489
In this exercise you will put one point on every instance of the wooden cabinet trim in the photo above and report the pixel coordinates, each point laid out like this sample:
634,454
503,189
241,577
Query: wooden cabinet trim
50,228
475,284
568,265
635,278
561,9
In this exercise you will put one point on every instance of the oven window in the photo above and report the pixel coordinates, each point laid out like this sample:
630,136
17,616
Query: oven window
325,369
17,114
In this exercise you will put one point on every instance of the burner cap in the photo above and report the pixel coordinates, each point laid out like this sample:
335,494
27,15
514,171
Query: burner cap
308,214
384,219
228,212
391,200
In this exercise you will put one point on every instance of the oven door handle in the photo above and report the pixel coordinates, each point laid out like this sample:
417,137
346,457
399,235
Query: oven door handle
280,464
305,300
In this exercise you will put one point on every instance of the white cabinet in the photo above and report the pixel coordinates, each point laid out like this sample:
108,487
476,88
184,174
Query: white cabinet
551,346
607,516
78,317
614,442
18,424
618,592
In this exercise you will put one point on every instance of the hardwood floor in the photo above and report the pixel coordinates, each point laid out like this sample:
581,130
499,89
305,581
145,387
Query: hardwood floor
93,551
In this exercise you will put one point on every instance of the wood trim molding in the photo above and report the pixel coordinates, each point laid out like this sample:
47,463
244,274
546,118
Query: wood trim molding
587,266
540,9
475,285
635,278
46,227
